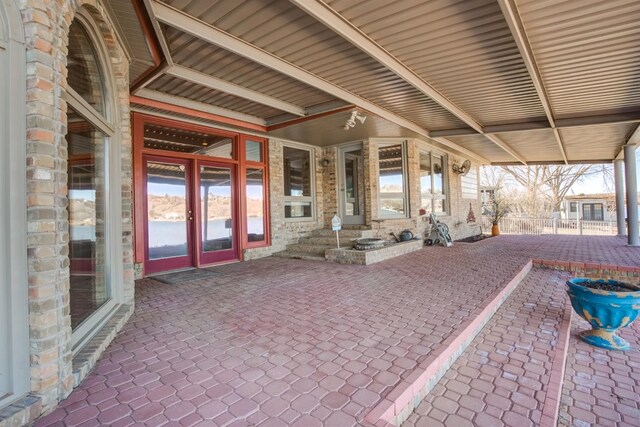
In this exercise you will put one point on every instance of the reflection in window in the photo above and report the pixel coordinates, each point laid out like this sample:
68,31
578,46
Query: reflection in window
87,217
166,210
83,68
391,175
255,205
432,183
216,192
185,141
298,201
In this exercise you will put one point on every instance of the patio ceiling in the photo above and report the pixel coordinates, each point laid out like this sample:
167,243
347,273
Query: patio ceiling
500,81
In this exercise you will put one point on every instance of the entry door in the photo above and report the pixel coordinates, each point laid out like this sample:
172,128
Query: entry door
218,216
351,184
169,210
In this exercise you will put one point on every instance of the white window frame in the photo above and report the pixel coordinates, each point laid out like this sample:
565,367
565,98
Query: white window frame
445,181
113,201
312,171
405,193
14,313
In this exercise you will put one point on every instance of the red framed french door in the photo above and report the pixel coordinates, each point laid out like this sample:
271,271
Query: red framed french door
217,222
169,215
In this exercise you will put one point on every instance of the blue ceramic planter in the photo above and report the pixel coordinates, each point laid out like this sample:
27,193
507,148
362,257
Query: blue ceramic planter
606,311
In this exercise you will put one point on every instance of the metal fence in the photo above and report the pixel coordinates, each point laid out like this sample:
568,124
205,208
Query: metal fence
553,226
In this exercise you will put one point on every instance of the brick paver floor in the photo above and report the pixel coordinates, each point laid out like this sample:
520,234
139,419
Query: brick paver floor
601,387
291,342
503,376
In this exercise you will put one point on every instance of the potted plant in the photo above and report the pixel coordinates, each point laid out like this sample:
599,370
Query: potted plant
498,209
607,305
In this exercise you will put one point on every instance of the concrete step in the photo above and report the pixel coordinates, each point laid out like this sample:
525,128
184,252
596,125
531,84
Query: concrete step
300,255
511,372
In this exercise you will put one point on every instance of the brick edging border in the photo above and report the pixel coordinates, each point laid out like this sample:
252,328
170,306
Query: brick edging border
407,395
551,405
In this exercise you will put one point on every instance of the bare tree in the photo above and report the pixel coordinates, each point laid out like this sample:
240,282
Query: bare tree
545,186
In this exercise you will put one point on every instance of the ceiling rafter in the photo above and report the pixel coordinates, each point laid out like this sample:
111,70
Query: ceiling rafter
180,101
215,83
511,15
341,26
191,25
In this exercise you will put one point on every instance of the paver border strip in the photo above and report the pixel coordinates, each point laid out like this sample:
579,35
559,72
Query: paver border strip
551,405
396,407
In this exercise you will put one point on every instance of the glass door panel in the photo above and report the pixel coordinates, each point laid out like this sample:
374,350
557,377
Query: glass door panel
217,213
169,215
351,185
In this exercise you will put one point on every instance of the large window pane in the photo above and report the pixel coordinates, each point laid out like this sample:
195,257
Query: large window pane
83,68
392,207
297,172
87,149
297,183
438,175
217,208
167,210
391,169
255,205
294,209
391,179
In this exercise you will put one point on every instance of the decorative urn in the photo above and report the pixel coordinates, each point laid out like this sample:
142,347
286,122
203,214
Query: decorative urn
607,305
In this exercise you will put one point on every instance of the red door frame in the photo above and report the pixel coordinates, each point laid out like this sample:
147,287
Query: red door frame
138,122
173,263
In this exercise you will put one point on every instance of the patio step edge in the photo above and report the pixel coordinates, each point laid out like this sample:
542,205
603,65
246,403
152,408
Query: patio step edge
406,396
551,408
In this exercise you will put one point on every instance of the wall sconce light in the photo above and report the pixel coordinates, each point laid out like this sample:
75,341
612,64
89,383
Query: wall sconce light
325,162
355,115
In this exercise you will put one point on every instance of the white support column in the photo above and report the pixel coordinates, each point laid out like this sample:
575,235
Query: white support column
632,194
618,170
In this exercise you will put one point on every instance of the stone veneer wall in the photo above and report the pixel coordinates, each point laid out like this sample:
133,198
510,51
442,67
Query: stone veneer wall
456,218
46,25
284,231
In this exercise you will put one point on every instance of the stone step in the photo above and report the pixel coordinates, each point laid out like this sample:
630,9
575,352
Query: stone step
511,372
327,240
300,255
344,233
309,248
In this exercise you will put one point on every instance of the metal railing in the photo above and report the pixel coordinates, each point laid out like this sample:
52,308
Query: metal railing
538,226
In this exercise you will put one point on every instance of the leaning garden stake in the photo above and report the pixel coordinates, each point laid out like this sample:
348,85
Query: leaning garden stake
607,305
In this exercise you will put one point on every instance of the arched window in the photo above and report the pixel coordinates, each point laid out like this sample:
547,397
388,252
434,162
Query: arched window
14,321
90,135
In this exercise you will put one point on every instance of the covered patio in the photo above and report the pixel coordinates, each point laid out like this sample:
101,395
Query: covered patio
146,137
289,342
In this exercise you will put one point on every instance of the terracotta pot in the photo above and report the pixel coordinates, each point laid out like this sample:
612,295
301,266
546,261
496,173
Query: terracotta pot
495,230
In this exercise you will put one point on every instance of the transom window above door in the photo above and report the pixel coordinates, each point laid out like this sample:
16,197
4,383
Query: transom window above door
165,138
